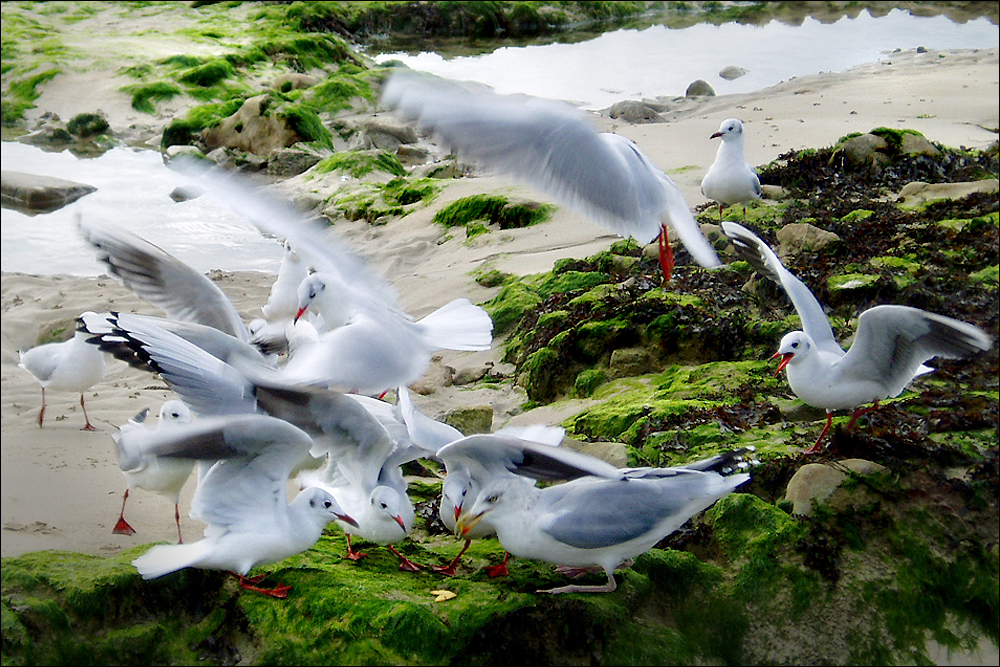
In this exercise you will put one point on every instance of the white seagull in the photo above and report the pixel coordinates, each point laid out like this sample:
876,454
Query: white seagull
731,179
242,497
554,148
595,521
71,365
163,475
379,346
889,350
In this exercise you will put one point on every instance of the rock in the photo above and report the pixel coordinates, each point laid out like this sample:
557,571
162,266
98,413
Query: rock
87,125
797,237
471,420
615,453
630,361
186,193
917,144
699,88
386,135
292,161
865,149
31,193
254,128
817,482
732,72
293,81
918,192
634,111
774,192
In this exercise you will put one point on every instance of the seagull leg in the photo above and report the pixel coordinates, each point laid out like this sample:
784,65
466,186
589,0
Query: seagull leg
858,412
89,426
405,563
449,570
500,570
816,448
666,254
351,553
279,591
41,413
177,518
609,587
122,527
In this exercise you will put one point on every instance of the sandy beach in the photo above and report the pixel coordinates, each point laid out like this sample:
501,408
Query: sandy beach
62,488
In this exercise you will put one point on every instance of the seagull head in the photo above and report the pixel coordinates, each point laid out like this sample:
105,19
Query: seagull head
796,343
311,288
731,128
175,412
454,491
322,501
386,501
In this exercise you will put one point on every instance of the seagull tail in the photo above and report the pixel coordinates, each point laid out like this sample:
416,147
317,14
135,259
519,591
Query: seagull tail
164,559
458,325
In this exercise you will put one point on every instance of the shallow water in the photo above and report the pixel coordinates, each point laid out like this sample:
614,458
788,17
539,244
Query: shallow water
661,61
134,186
133,190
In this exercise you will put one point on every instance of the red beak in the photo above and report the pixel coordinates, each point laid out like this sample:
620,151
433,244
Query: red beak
299,314
398,519
716,135
785,358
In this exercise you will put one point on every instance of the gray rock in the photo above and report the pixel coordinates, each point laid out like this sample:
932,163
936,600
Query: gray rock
796,237
917,144
472,420
630,361
254,128
293,81
818,482
699,88
386,135
292,161
732,72
865,149
32,194
918,192
634,111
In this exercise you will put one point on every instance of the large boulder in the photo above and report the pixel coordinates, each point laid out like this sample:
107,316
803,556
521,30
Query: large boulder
31,193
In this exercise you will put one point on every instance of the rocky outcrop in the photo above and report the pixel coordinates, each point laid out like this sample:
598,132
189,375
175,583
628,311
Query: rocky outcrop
32,194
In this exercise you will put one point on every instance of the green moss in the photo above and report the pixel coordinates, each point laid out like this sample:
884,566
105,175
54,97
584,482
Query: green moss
145,96
494,209
208,74
360,163
21,94
506,308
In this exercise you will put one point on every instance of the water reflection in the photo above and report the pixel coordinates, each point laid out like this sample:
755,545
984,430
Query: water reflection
133,190
661,61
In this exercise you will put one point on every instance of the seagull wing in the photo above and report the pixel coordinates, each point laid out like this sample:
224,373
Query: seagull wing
892,343
760,256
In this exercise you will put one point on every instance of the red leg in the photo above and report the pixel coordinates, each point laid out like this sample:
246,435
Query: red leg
351,553
666,254
177,518
122,527
41,413
405,563
89,426
816,447
858,412
500,570
279,591
449,570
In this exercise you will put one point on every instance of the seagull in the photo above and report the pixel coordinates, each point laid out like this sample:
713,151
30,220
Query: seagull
71,365
529,452
379,346
242,496
164,475
553,147
731,179
595,521
889,350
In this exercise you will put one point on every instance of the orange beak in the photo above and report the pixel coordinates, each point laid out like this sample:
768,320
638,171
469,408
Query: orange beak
299,314
785,358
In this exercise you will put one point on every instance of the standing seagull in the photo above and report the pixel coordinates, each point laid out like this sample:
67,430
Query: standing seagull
242,497
731,179
890,346
163,475
594,521
71,365
553,147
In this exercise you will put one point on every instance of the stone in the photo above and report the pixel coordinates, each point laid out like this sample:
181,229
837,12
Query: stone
917,144
293,81
478,419
32,194
918,192
797,237
865,149
699,88
630,361
387,135
732,72
253,129
634,111
817,482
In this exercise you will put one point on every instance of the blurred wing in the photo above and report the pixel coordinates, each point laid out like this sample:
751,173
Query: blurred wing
760,256
163,280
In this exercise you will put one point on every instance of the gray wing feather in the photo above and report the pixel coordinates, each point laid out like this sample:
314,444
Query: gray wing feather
760,256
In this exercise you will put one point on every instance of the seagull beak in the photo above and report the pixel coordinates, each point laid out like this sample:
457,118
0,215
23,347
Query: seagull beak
398,519
466,523
299,314
785,358
716,135
458,511
346,519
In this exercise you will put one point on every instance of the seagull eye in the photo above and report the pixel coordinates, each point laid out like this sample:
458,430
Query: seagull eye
795,345
492,499
327,504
